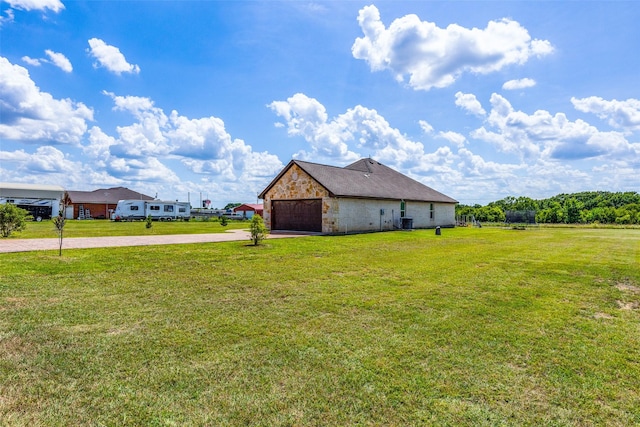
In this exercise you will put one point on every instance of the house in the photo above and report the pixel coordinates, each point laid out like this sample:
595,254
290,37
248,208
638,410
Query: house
363,196
247,210
98,203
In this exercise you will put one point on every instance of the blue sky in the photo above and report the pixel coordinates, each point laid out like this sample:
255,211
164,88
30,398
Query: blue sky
479,100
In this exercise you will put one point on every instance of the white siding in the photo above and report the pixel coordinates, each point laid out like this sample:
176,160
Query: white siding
357,215
444,214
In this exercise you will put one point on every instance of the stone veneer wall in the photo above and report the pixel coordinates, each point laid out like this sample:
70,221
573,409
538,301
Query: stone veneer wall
296,184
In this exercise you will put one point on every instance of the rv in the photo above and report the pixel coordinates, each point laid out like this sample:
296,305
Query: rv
158,210
39,209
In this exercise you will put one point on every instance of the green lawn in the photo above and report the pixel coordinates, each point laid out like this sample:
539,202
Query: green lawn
474,327
99,228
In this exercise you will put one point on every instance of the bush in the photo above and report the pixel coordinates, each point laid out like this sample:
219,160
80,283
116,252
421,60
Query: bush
258,230
12,218
149,222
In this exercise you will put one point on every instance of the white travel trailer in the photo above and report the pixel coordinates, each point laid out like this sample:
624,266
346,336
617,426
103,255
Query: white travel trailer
130,210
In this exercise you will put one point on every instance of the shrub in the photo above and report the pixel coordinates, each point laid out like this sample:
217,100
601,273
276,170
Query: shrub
149,222
12,218
258,230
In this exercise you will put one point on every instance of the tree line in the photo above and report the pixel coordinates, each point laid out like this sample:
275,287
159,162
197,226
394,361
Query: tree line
587,207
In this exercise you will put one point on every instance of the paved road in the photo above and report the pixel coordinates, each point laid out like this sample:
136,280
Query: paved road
26,245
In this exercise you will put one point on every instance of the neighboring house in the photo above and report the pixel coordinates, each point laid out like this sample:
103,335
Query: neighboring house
98,204
247,210
364,196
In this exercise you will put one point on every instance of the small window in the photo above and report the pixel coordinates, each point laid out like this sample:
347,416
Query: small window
182,210
133,208
431,212
154,208
402,209
168,208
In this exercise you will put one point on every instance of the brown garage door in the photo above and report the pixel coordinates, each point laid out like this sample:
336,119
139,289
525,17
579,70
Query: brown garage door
298,215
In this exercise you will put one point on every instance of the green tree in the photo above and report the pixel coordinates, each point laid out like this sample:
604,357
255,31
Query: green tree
60,222
258,230
572,209
12,218
231,206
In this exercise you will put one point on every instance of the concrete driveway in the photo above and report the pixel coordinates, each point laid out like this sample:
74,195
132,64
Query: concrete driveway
26,245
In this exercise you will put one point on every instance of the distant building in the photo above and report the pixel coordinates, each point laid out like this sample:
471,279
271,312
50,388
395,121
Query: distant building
41,201
98,204
248,210
364,196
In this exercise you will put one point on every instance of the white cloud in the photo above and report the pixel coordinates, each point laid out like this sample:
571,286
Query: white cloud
143,169
470,103
146,136
31,115
48,159
59,60
306,117
31,61
425,126
202,145
206,146
453,137
518,84
110,58
436,57
45,161
9,16
99,145
361,127
619,114
542,135
475,167
136,105
54,5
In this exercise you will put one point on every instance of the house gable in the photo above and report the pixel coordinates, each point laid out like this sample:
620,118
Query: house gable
294,183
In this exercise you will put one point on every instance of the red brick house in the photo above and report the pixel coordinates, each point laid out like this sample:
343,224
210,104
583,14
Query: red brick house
97,204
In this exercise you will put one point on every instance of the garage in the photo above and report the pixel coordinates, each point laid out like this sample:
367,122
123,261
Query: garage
299,215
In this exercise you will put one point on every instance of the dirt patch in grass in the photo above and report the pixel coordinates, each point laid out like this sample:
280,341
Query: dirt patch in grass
627,287
633,305
12,347
602,316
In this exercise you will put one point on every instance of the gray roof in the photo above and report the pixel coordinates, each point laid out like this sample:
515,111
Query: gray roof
20,190
367,178
106,195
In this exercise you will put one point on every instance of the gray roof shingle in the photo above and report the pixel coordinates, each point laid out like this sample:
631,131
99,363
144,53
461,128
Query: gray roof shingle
368,178
106,195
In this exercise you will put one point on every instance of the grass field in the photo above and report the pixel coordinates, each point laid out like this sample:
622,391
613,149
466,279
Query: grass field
475,327
101,228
